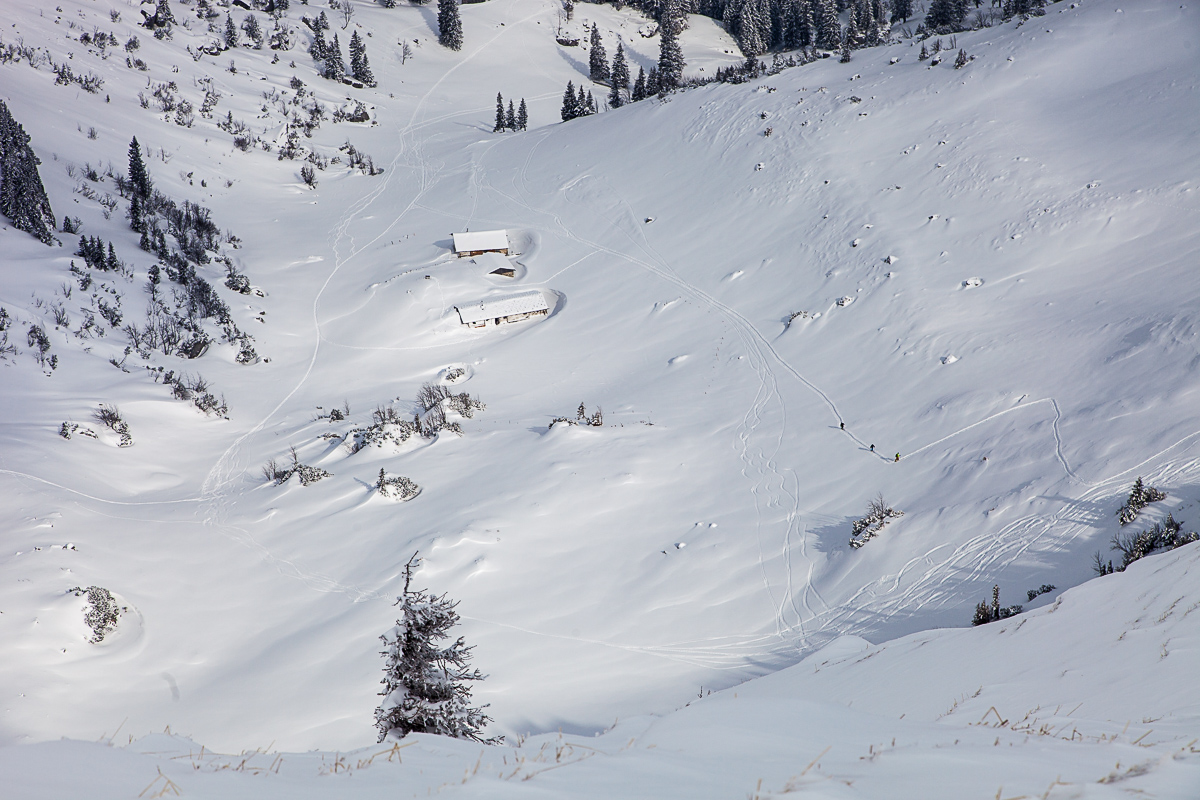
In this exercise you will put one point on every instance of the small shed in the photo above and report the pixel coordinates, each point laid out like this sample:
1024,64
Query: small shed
499,310
473,243
494,264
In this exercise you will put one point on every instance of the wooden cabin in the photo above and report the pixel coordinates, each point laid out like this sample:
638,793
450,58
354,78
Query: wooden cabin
473,243
499,310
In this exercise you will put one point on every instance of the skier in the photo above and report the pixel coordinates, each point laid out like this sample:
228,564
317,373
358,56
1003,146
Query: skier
897,456
872,448
843,426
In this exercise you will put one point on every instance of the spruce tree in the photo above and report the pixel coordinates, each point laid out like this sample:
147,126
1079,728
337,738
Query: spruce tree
450,33
670,56
570,106
335,67
620,69
231,36
425,685
22,196
317,50
499,126
639,86
510,117
597,57
901,10
829,30
588,103
139,178
614,97
360,68
522,116
946,14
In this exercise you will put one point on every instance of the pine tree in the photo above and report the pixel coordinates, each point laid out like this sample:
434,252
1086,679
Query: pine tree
961,61
500,122
670,56
322,23
639,86
829,30
450,33
335,67
317,50
510,117
425,685
139,178
614,97
852,37
901,10
22,196
588,103
597,57
570,106
522,116
845,59
231,36
924,54
946,14
620,69
360,68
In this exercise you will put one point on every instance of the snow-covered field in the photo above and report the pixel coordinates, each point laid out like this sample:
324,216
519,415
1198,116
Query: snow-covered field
993,272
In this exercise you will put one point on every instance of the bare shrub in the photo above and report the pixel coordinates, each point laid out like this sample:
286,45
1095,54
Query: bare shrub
110,417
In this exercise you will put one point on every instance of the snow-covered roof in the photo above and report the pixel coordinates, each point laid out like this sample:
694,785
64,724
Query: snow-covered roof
490,262
494,307
480,240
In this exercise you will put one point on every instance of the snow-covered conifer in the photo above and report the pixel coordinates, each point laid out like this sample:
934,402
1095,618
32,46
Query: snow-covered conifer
639,86
620,69
597,57
450,33
499,126
360,68
570,105
231,32
510,117
425,684
22,196
670,56
901,10
829,30
139,177
522,115
335,67
946,14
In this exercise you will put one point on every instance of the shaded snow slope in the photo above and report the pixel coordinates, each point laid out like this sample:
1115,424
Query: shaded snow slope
1088,698
1001,258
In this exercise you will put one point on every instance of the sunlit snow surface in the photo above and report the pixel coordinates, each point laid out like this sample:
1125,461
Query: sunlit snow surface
1017,243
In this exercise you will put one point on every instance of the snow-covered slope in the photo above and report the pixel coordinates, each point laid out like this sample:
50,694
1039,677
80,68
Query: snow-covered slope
996,270
1089,698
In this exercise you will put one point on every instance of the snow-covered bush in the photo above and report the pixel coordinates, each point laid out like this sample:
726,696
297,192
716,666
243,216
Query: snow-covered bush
1032,594
1139,497
279,475
425,685
387,425
879,513
102,613
397,488
1163,536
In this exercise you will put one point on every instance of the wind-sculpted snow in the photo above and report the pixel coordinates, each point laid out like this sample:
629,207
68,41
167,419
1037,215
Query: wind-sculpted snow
971,291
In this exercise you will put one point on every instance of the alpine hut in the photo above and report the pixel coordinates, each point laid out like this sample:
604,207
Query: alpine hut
473,243
498,310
